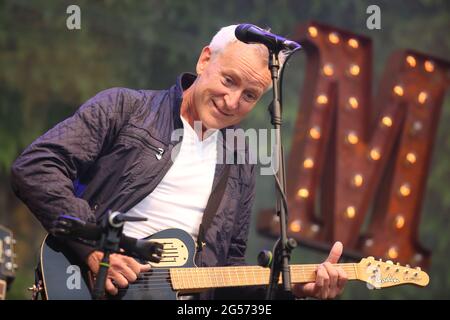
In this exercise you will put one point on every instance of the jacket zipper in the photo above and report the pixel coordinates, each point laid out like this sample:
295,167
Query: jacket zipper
159,151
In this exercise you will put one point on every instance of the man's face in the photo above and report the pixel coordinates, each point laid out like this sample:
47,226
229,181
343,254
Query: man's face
228,85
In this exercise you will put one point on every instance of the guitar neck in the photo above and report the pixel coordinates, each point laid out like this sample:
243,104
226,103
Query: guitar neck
192,279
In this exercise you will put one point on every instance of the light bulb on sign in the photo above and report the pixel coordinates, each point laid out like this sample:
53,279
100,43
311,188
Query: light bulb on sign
398,90
308,163
429,66
314,132
350,212
303,193
333,37
322,99
411,61
353,103
295,226
313,32
399,221
375,154
386,121
353,43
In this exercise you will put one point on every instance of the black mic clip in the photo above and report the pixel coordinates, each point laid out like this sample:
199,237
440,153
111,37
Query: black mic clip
117,219
75,229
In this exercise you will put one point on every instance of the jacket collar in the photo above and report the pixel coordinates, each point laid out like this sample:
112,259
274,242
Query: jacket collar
184,81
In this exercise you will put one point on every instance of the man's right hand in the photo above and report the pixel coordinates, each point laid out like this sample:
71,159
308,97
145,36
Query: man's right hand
122,271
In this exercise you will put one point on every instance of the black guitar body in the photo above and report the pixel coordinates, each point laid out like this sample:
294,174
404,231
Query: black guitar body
66,278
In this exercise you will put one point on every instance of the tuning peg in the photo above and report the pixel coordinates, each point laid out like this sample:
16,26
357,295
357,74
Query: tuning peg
8,252
35,289
408,266
398,264
381,260
15,266
14,241
8,266
418,269
7,240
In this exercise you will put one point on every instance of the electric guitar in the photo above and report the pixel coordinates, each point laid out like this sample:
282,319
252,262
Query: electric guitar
64,277
7,256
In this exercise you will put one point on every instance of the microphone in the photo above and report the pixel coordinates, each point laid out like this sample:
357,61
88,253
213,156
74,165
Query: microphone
74,228
250,33
142,249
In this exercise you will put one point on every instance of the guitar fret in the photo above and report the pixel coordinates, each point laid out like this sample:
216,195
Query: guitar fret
202,275
200,278
223,277
211,282
214,272
215,277
303,274
190,280
197,277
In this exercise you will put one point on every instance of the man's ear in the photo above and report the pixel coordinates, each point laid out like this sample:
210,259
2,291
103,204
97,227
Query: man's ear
203,60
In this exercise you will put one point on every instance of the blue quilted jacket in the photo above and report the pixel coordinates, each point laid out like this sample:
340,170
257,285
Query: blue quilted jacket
116,148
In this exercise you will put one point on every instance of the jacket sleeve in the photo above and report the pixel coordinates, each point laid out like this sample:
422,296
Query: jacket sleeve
42,176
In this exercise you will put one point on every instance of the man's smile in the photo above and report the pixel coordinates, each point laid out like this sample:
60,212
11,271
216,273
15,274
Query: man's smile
220,111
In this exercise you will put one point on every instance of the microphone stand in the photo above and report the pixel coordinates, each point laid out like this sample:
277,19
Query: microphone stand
283,246
107,238
112,227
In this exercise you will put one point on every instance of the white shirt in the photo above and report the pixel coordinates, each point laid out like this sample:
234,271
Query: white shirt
180,198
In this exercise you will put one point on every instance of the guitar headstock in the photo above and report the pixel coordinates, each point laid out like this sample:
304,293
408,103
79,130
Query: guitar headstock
384,274
7,259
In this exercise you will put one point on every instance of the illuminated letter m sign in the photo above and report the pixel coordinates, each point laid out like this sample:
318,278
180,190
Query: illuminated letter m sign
356,160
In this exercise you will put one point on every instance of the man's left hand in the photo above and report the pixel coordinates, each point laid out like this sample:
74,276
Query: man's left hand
330,279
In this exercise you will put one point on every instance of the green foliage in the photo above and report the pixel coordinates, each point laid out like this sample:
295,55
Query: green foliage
47,71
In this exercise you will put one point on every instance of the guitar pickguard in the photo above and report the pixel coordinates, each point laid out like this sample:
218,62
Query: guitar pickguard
175,253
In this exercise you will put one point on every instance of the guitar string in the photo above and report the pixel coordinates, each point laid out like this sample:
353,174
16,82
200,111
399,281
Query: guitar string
239,268
163,277
167,272
167,279
158,279
154,284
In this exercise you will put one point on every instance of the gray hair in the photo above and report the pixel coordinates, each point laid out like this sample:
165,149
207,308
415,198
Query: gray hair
225,36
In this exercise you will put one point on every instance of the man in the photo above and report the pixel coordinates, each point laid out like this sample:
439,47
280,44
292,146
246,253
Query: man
119,145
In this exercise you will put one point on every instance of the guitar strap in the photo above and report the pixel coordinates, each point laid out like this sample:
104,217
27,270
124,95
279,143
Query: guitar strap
211,207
